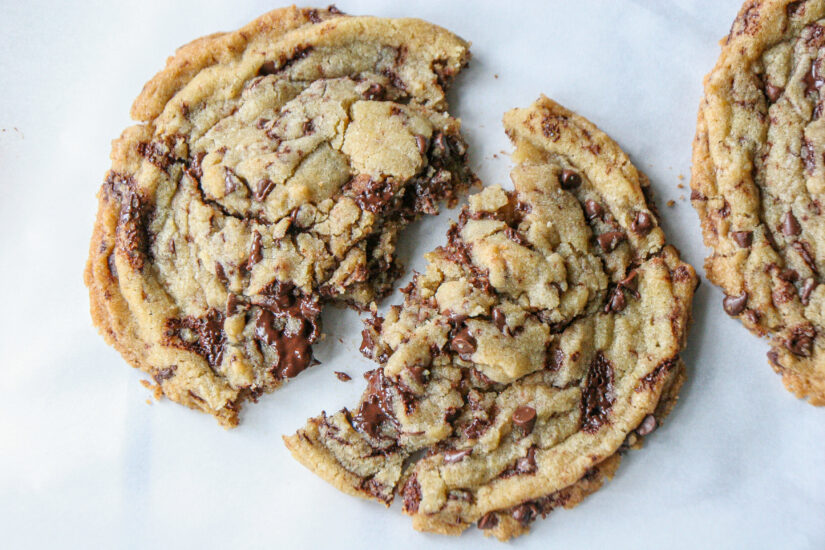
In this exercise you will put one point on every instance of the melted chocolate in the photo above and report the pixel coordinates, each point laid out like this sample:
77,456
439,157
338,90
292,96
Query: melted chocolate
597,394
205,335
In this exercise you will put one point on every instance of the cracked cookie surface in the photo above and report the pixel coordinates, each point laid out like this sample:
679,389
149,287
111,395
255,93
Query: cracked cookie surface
271,172
541,340
758,180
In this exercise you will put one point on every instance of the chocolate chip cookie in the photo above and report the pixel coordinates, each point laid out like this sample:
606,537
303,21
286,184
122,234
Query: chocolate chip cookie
541,341
271,172
758,183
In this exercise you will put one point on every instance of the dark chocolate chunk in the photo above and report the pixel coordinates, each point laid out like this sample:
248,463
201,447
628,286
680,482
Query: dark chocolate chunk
265,186
377,404
597,394
790,226
201,335
231,181
255,255
789,275
411,495
734,305
488,521
743,238
295,332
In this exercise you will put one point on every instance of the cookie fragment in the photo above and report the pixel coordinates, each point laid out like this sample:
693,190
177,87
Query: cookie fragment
758,180
271,173
508,384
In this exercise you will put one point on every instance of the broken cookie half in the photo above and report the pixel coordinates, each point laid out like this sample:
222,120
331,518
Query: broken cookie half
272,170
541,341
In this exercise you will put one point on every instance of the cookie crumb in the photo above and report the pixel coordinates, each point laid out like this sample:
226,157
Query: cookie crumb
671,203
342,376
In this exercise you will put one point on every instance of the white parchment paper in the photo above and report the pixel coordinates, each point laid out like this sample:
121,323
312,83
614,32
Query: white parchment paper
86,463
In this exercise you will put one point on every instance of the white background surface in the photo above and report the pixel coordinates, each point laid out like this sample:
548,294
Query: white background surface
86,463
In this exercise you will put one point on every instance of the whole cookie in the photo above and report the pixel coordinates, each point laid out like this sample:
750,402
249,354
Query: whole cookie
541,341
758,182
271,172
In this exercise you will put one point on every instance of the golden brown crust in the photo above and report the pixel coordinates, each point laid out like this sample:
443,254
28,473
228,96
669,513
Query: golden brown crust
220,47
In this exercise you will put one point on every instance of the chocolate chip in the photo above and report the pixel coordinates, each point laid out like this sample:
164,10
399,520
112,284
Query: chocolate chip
375,92
598,394
500,320
569,179
610,240
463,343
165,374
220,273
231,180
593,209
773,92
411,495
255,255
789,275
617,301
267,68
647,426
525,418
451,457
525,513
265,186
642,224
805,292
342,376
631,282
801,341
743,238
790,226
232,302
488,521
554,360
734,305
